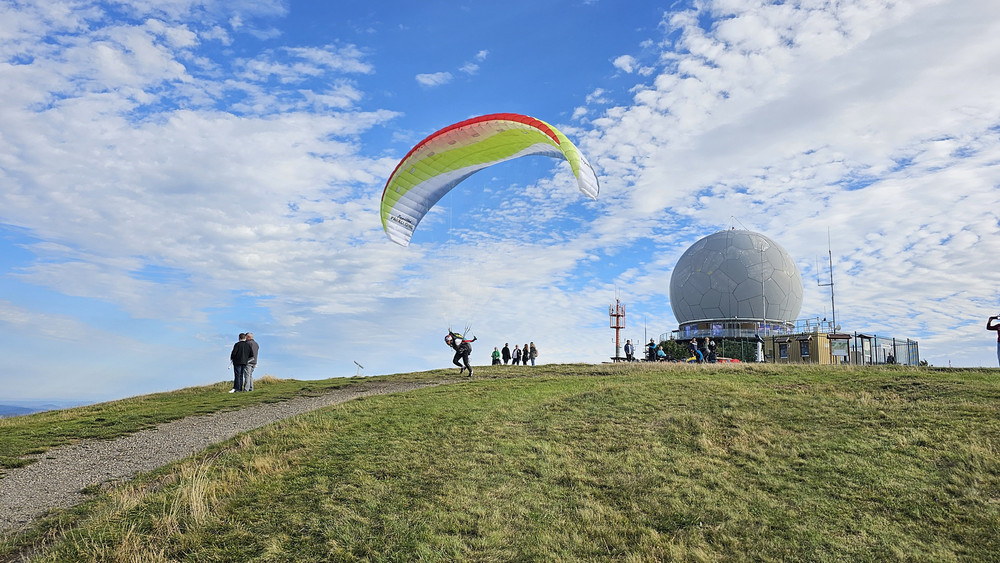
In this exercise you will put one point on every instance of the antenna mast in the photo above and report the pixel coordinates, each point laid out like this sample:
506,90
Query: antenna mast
617,313
833,307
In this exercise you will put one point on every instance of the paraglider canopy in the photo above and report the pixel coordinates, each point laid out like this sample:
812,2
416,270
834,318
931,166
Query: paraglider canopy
444,159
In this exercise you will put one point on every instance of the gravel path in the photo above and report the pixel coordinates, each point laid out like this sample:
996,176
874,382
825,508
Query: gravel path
56,479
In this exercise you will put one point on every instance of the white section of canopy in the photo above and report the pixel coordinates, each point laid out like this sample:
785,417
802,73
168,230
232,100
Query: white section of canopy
418,200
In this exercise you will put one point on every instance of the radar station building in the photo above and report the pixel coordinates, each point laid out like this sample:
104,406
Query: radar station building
743,286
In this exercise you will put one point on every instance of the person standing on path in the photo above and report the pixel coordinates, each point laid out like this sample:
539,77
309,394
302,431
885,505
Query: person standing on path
240,356
506,353
533,353
248,377
517,354
990,325
629,351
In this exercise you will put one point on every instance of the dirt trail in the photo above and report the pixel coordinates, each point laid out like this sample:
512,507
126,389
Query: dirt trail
58,477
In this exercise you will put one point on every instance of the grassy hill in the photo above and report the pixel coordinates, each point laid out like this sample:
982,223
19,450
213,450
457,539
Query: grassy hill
579,462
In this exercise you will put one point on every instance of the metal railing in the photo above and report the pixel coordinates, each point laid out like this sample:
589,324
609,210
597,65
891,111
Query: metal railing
749,328
862,349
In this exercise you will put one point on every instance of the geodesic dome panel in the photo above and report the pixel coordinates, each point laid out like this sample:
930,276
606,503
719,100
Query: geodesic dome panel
732,275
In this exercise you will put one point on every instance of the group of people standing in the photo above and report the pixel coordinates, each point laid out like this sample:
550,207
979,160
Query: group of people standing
519,355
244,358
653,352
703,350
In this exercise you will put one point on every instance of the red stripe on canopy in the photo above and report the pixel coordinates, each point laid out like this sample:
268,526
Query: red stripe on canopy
531,121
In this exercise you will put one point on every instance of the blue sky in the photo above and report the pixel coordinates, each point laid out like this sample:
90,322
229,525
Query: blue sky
175,172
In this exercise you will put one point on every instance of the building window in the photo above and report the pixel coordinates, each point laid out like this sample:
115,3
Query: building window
783,351
804,348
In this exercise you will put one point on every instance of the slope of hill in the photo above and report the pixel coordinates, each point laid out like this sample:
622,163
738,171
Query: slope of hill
639,463
58,479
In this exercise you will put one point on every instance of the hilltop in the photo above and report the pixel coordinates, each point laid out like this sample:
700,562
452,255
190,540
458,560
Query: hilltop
640,463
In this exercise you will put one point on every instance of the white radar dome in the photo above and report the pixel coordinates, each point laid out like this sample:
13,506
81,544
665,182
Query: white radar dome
735,274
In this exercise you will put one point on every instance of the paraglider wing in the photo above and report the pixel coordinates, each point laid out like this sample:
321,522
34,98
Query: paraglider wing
444,159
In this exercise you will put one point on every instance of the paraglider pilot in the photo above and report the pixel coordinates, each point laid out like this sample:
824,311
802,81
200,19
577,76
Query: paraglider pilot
462,350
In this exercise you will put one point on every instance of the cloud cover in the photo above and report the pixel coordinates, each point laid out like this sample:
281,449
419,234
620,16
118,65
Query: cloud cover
174,173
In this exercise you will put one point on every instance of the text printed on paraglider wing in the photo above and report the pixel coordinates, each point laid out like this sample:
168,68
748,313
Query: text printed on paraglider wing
402,221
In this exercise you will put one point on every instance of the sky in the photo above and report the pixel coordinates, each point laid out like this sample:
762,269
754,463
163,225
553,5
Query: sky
175,172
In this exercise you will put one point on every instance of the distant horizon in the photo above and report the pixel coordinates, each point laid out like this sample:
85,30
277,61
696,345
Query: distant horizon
10,409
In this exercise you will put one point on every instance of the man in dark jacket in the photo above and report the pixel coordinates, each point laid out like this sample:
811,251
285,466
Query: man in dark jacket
241,356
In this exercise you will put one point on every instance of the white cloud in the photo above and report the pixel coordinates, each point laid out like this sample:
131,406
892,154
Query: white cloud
598,96
58,327
346,59
473,67
343,95
307,63
177,37
626,63
184,210
872,120
432,80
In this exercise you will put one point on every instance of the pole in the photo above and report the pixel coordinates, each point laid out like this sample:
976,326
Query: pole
763,298
617,313
833,306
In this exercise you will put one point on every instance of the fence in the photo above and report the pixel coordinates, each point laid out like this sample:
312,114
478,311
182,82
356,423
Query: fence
874,349
845,348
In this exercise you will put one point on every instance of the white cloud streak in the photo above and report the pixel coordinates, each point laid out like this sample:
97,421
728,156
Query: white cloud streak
431,80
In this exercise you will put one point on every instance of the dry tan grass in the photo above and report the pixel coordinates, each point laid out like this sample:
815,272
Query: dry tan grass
266,379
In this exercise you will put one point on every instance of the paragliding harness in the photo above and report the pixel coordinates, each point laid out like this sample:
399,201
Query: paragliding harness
463,348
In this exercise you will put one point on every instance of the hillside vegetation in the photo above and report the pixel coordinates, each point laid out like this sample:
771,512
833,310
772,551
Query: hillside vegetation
578,462
22,436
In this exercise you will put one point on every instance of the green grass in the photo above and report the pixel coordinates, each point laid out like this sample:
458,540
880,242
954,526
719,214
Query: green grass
36,433
572,463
